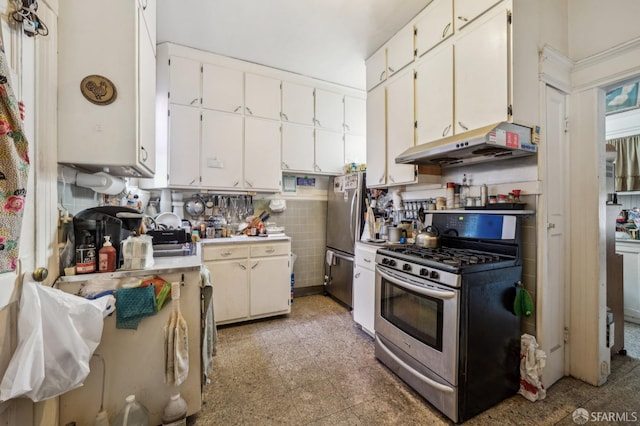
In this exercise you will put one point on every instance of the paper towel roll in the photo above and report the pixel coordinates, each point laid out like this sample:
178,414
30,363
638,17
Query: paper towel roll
101,182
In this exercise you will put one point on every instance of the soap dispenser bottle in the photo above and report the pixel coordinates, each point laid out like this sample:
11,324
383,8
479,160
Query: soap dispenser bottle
107,256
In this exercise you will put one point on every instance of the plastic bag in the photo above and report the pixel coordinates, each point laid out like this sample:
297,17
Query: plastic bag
138,252
57,335
532,361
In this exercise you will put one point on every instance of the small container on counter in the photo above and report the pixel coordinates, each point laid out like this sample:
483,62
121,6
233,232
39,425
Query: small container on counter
502,198
493,199
107,256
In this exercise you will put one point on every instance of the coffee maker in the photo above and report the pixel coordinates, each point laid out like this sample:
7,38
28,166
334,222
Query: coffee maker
92,225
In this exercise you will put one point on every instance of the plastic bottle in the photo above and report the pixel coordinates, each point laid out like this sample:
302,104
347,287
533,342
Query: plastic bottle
132,414
107,256
86,255
175,412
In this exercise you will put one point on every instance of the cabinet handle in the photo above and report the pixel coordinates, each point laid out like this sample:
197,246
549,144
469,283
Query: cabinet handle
270,250
194,101
192,182
446,30
284,116
285,165
446,130
381,76
463,18
357,275
317,122
391,70
346,127
238,108
248,184
367,260
144,7
316,167
244,268
391,178
226,253
145,156
381,179
249,110
236,184
462,125
254,266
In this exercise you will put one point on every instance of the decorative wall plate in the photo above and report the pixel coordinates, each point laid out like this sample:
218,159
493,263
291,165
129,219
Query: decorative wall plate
98,89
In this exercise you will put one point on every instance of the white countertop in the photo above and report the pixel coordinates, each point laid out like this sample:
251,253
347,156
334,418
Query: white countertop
243,239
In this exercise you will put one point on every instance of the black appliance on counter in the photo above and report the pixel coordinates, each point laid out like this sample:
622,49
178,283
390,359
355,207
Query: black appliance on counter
91,226
444,317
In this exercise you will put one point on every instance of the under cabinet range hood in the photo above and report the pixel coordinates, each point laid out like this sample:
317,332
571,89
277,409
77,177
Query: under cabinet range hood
495,142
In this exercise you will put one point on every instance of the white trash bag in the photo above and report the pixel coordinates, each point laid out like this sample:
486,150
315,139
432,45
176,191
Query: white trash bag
532,361
57,335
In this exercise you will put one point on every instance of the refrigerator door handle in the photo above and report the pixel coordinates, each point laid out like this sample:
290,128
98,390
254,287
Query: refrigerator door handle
343,257
351,218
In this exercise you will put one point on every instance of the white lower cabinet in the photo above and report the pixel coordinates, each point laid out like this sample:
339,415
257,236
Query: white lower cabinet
250,280
364,284
631,272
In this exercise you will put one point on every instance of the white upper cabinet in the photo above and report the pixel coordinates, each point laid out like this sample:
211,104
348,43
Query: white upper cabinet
400,127
262,157
298,147
400,51
297,103
482,92
184,126
355,115
329,110
106,120
221,149
376,68
262,96
355,149
434,94
148,8
468,10
376,139
329,152
184,81
222,88
434,26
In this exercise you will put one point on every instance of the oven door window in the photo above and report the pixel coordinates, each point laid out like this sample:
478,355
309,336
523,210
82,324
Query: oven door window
417,315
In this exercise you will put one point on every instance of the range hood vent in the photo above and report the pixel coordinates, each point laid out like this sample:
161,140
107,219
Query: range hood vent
495,142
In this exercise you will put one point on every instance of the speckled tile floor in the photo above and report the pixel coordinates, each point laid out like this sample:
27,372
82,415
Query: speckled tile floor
316,367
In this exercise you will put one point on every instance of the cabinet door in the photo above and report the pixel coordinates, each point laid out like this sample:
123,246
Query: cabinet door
270,285
400,50
184,145
184,81
482,92
298,150
434,95
364,284
355,149
376,68
467,10
147,98
262,156
400,127
221,149
435,25
230,289
329,152
297,103
355,115
376,137
329,110
262,96
222,88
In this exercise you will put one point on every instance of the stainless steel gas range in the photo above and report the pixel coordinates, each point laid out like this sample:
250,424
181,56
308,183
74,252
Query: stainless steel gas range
444,318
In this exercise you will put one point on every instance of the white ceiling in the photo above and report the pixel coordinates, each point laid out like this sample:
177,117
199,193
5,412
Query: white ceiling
325,39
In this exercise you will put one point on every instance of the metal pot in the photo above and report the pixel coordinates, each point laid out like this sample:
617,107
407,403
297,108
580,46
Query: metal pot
194,206
429,237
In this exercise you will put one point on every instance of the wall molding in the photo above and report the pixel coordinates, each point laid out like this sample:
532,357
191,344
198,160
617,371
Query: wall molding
555,68
596,70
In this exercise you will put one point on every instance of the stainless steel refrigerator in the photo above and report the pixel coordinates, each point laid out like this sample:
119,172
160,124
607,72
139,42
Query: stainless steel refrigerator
345,209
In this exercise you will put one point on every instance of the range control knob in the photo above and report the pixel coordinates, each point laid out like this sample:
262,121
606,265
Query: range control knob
406,267
434,275
392,262
385,261
424,272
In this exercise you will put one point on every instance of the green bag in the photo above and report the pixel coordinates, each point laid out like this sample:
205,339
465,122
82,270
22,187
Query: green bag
523,305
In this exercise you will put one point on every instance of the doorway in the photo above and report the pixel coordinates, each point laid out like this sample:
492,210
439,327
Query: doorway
622,123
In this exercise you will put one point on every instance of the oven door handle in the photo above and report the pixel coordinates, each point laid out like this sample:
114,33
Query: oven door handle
440,294
413,371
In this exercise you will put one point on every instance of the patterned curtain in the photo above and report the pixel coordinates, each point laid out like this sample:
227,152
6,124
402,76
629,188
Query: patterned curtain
14,169
627,163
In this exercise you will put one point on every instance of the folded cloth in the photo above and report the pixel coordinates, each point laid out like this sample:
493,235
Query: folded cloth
209,332
133,304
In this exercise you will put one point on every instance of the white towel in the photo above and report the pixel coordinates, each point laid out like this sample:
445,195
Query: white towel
209,331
